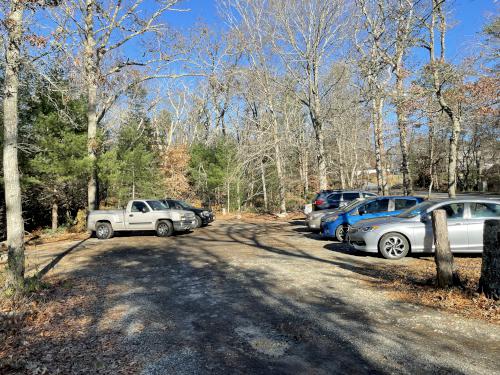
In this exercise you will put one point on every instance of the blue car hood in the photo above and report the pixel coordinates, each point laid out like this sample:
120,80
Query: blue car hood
381,221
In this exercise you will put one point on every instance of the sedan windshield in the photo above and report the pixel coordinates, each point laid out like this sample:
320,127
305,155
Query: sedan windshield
157,205
417,210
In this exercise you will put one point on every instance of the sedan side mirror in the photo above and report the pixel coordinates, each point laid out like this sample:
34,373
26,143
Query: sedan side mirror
362,211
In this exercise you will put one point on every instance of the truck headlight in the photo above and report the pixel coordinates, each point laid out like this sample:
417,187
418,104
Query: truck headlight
370,229
205,213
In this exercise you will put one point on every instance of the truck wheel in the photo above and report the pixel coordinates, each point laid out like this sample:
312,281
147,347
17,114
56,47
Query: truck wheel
199,222
164,229
104,231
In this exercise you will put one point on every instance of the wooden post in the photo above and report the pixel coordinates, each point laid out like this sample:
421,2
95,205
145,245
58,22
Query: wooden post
443,256
489,283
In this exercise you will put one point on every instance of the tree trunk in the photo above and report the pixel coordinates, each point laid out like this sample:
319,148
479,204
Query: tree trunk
405,163
341,164
55,214
228,196
431,156
378,106
91,73
320,144
279,160
489,283
443,256
264,186
453,157
15,223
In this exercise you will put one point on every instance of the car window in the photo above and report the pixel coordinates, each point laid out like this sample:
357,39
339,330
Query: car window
157,205
350,196
379,205
484,210
403,204
139,207
334,197
453,210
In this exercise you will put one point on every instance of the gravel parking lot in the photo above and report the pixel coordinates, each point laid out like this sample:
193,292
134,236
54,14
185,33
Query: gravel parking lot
252,297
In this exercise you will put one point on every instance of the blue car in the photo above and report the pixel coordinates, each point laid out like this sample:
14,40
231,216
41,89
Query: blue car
337,224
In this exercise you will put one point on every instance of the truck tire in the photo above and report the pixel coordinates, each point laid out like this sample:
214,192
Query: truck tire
199,222
104,230
164,228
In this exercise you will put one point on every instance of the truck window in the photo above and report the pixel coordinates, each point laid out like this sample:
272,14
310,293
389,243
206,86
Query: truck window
139,207
157,205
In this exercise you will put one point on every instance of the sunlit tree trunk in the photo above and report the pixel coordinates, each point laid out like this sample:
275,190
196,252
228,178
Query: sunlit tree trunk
15,223
378,121
91,72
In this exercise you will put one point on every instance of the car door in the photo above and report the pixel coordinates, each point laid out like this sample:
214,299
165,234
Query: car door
478,213
140,217
370,210
457,229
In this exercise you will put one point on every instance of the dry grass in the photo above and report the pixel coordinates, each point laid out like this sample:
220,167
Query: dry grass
53,331
415,283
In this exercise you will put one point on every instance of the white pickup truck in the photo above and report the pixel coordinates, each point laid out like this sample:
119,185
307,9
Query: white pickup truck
140,214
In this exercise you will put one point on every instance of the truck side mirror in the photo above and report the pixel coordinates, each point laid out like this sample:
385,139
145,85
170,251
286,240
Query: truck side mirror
144,210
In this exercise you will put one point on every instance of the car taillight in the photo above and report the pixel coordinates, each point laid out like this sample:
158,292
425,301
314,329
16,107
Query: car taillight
318,202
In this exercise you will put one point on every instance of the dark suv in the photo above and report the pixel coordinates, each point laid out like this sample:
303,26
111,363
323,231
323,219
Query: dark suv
203,216
338,198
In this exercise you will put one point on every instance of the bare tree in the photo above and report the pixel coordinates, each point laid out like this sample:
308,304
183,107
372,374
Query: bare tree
255,35
103,29
376,75
308,34
15,223
441,75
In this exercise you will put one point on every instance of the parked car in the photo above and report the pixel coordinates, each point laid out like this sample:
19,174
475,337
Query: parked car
411,231
336,225
313,219
203,216
340,198
147,214
320,198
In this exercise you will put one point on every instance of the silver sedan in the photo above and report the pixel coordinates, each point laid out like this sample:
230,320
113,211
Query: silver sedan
395,237
313,219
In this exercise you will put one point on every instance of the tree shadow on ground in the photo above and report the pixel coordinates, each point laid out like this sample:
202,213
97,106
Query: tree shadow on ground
190,305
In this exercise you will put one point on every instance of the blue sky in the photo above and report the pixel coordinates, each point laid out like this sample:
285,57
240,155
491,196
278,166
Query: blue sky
468,19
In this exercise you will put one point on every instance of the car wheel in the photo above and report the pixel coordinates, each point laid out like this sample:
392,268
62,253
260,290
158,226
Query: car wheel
340,233
104,231
199,222
393,246
164,229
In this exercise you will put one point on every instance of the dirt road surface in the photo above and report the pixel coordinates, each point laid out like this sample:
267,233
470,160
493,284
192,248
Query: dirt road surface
261,298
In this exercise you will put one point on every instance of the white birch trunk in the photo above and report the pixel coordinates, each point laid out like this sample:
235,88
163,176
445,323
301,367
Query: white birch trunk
15,223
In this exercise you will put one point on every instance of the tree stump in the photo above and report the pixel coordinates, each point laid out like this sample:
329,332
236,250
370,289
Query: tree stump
489,283
443,256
